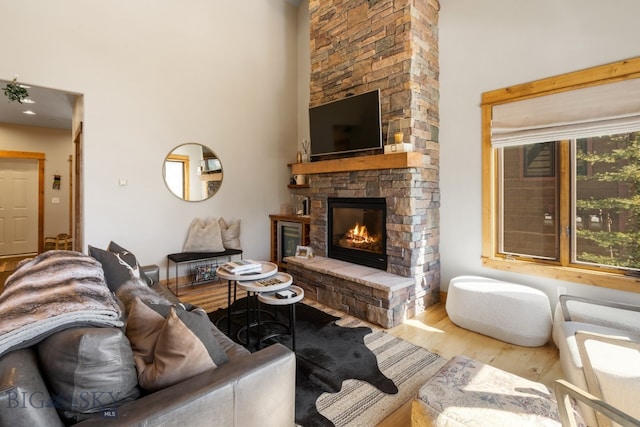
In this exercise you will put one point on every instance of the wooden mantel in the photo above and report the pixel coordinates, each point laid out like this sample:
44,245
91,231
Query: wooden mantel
362,163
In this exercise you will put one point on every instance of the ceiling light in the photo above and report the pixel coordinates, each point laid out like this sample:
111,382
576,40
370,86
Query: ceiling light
28,101
29,113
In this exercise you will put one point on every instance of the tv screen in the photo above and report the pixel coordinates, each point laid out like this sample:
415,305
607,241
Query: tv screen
347,125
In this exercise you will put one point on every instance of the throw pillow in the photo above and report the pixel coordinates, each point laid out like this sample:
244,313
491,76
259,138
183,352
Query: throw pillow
204,236
171,344
119,265
230,234
88,370
136,288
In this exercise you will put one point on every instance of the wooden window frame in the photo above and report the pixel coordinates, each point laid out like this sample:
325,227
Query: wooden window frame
561,269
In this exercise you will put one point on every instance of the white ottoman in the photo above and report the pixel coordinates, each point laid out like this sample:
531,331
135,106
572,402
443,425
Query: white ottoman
509,312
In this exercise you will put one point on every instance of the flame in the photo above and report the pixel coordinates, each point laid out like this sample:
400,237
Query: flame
359,234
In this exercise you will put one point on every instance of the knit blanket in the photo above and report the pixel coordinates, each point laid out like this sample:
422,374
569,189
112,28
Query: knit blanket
56,290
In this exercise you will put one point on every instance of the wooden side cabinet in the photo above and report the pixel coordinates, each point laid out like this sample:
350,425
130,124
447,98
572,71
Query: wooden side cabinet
288,232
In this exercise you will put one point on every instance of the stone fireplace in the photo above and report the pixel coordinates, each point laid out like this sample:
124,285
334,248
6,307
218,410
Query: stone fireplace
357,230
391,45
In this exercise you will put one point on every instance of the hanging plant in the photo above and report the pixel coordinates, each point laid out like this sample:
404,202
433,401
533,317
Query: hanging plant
15,92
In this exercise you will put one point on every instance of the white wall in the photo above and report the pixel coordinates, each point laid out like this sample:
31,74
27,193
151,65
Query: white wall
57,146
156,74
493,44
304,72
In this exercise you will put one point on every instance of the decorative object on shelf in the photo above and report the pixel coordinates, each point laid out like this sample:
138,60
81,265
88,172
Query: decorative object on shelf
306,151
300,179
304,252
306,205
397,136
301,204
15,91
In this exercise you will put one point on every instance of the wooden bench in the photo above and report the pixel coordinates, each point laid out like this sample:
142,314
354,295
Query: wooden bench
198,257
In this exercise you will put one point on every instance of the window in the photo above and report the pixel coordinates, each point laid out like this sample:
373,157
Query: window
561,177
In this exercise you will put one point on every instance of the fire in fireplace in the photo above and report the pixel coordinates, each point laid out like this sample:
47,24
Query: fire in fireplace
357,230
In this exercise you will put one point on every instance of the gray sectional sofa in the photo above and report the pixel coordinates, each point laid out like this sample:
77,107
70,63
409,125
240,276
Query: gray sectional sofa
251,389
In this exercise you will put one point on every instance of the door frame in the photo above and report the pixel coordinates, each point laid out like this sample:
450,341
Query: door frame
78,190
40,157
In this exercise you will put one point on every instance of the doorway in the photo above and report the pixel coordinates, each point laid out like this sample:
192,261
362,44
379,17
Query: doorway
20,203
21,208
54,114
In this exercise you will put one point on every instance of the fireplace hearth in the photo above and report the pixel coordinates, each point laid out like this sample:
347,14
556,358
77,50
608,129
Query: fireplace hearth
357,230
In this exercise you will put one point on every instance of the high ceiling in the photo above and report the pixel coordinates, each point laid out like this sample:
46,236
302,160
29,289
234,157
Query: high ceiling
53,108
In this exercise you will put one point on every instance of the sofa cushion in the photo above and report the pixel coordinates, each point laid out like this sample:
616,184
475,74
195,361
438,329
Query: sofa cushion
136,288
24,397
88,370
230,234
171,344
119,264
609,361
204,236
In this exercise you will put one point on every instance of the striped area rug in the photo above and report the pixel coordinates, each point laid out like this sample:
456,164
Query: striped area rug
358,403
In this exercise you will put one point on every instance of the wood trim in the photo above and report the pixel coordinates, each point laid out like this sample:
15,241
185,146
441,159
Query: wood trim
602,279
608,73
77,201
598,75
489,179
564,216
184,160
40,205
379,161
21,155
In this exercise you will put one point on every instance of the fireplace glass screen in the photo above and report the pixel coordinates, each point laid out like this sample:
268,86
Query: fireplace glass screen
357,228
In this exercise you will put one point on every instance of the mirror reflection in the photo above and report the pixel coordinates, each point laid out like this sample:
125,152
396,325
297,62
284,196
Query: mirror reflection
192,172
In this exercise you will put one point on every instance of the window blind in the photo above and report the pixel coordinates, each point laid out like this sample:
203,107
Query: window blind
592,111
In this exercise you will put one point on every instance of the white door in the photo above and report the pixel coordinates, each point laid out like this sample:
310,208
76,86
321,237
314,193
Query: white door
18,206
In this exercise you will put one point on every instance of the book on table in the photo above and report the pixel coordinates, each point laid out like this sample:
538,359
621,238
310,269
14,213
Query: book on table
269,282
242,266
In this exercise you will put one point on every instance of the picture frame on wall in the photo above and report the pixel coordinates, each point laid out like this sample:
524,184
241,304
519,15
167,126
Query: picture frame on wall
304,252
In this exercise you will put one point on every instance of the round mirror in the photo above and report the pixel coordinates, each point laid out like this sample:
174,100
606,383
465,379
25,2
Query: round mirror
192,172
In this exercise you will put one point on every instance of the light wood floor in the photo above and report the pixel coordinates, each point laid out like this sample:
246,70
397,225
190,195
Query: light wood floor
434,331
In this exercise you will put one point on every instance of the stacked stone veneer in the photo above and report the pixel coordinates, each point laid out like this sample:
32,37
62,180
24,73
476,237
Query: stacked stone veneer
392,45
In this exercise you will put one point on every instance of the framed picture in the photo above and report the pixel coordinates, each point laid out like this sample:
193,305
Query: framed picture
304,252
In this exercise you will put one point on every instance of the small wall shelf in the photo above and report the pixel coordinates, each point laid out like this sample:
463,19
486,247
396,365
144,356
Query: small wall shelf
298,186
411,159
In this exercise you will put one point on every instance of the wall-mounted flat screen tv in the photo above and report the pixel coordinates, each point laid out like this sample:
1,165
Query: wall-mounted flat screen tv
347,125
